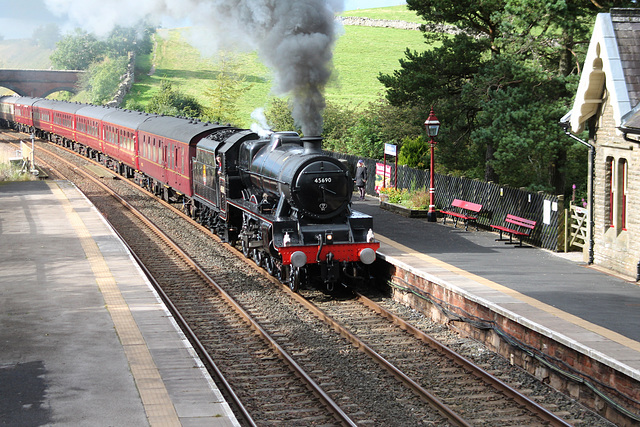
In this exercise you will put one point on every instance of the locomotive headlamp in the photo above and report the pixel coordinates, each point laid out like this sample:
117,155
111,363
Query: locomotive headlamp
367,256
298,259
328,237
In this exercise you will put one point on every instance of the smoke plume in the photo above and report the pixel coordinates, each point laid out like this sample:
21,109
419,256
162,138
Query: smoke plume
294,38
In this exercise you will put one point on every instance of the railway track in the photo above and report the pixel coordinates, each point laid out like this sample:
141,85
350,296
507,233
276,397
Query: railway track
330,352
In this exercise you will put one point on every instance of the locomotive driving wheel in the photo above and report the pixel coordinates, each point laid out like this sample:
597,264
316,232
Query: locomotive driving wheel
295,277
245,247
257,257
269,265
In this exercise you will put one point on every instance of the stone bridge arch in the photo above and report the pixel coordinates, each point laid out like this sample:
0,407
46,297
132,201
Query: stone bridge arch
39,83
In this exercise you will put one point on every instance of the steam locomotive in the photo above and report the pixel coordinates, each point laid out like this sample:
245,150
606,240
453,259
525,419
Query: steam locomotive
285,203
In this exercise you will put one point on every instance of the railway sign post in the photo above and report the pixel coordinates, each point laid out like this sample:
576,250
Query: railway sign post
391,149
34,170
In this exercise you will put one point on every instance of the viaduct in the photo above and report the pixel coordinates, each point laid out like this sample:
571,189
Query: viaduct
39,83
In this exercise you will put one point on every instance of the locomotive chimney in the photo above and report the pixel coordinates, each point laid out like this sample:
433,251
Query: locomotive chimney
312,144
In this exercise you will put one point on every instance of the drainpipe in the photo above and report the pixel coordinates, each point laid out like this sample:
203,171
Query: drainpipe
592,161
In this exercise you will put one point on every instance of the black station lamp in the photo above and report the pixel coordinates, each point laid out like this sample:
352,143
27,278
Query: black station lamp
432,125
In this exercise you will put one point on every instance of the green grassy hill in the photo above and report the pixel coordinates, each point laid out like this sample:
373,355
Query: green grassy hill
23,54
360,55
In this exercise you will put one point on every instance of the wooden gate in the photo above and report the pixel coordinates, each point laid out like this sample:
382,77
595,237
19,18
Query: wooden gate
576,228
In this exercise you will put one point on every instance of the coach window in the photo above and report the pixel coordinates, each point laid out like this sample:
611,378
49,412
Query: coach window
144,146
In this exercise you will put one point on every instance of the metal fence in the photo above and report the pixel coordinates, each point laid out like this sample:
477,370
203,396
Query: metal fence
497,200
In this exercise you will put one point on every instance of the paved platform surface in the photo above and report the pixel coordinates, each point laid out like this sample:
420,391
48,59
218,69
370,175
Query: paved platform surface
84,340
566,299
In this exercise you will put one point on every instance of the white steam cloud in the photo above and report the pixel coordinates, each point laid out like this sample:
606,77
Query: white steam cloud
260,125
294,38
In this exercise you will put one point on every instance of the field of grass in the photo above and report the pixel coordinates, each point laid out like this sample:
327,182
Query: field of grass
360,55
189,72
23,54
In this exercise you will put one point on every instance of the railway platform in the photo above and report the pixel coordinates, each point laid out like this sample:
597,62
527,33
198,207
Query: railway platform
592,314
85,340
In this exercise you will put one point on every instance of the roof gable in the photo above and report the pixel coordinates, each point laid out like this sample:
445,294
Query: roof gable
612,52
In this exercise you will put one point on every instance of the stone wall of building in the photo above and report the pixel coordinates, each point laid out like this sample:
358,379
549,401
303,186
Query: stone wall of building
614,248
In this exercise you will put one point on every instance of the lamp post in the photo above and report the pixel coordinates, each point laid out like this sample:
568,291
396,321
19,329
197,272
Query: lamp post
432,125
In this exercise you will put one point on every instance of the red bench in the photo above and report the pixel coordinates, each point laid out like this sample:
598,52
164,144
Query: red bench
460,209
523,228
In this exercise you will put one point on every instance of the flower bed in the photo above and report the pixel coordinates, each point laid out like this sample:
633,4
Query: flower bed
411,204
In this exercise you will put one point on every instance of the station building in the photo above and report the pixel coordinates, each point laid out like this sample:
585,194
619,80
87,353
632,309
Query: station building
607,109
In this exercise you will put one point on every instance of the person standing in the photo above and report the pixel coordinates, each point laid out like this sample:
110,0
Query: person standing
361,178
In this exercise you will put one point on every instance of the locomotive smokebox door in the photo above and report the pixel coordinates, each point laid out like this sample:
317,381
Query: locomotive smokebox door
326,189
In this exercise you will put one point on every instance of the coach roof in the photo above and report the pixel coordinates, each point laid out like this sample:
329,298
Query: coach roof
177,129
126,118
63,106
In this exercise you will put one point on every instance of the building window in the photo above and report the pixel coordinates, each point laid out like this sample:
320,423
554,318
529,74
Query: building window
609,186
622,190
616,188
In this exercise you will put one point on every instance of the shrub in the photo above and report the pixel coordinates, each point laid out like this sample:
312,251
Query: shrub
395,196
11,173
418,200
410,199
171,102
414,153
103,78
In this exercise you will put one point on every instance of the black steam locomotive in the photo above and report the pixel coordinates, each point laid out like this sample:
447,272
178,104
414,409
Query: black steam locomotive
286,203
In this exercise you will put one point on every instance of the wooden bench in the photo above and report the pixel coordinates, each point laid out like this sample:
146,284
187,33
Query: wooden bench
523,228
461,209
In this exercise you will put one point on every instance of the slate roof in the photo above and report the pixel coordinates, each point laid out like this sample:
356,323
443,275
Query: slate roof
626,25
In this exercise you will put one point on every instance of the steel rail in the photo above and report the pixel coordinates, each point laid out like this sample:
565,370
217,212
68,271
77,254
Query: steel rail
340,415
510,392
193,339
420,391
